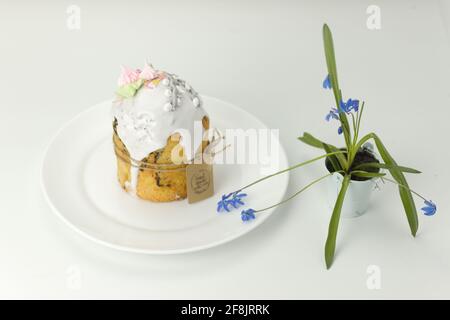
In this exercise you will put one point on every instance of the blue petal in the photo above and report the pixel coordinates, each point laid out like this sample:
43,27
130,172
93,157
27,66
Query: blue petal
430,203
353,104
326,83
226,196
428,211
223,204
248,214
340,130
236,202
332,114
342,106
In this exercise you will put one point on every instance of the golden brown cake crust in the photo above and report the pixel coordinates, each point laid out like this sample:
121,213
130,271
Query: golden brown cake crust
159,179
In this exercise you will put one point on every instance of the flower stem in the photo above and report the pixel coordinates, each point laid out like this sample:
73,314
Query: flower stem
358,122
298,192
354,149
405,187
351,147
290,168
354,126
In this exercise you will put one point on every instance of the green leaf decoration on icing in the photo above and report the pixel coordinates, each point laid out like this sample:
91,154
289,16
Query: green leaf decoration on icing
129,90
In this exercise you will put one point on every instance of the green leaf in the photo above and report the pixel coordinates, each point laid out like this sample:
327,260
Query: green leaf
405,194
365,174
330,244
333,159
386,166
331,62
332,72
340,157
310,140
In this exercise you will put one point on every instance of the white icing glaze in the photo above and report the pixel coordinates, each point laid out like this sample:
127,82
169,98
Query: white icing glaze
146,120
131,185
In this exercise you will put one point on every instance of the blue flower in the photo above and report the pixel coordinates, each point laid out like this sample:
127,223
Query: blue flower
327,83
247,215
224,203
333,114
340,130
429,209
348,106
235,201
354,104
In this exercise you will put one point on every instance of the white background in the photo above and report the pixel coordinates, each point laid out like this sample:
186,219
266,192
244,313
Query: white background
267,58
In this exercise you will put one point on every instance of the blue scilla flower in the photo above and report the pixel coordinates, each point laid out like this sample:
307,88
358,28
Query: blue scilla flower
236,201
233,199
327,83
429,209
224,203
247,215
354,104
333,114
348,106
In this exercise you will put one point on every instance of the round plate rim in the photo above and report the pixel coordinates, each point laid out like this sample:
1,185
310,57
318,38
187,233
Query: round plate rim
124,248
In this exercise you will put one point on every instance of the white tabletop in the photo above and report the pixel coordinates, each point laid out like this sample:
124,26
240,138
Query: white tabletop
266,57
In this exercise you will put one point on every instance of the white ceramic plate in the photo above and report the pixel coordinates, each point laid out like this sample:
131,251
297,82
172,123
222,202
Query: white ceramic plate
80,184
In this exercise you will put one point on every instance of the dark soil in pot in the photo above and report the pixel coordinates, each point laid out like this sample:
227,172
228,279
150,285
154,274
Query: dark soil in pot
362,156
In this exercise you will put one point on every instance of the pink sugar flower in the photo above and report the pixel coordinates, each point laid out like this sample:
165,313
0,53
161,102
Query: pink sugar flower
128,76
148,73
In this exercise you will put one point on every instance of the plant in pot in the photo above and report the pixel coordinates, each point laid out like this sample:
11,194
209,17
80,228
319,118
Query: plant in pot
352,170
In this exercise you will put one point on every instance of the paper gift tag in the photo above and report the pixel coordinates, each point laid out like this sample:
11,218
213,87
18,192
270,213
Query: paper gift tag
199,182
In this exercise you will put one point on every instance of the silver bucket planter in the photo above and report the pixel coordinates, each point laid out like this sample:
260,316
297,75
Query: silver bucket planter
357,198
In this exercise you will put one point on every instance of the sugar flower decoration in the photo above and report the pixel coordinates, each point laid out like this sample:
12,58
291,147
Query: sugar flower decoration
148,72
131,80
127,76
129,90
